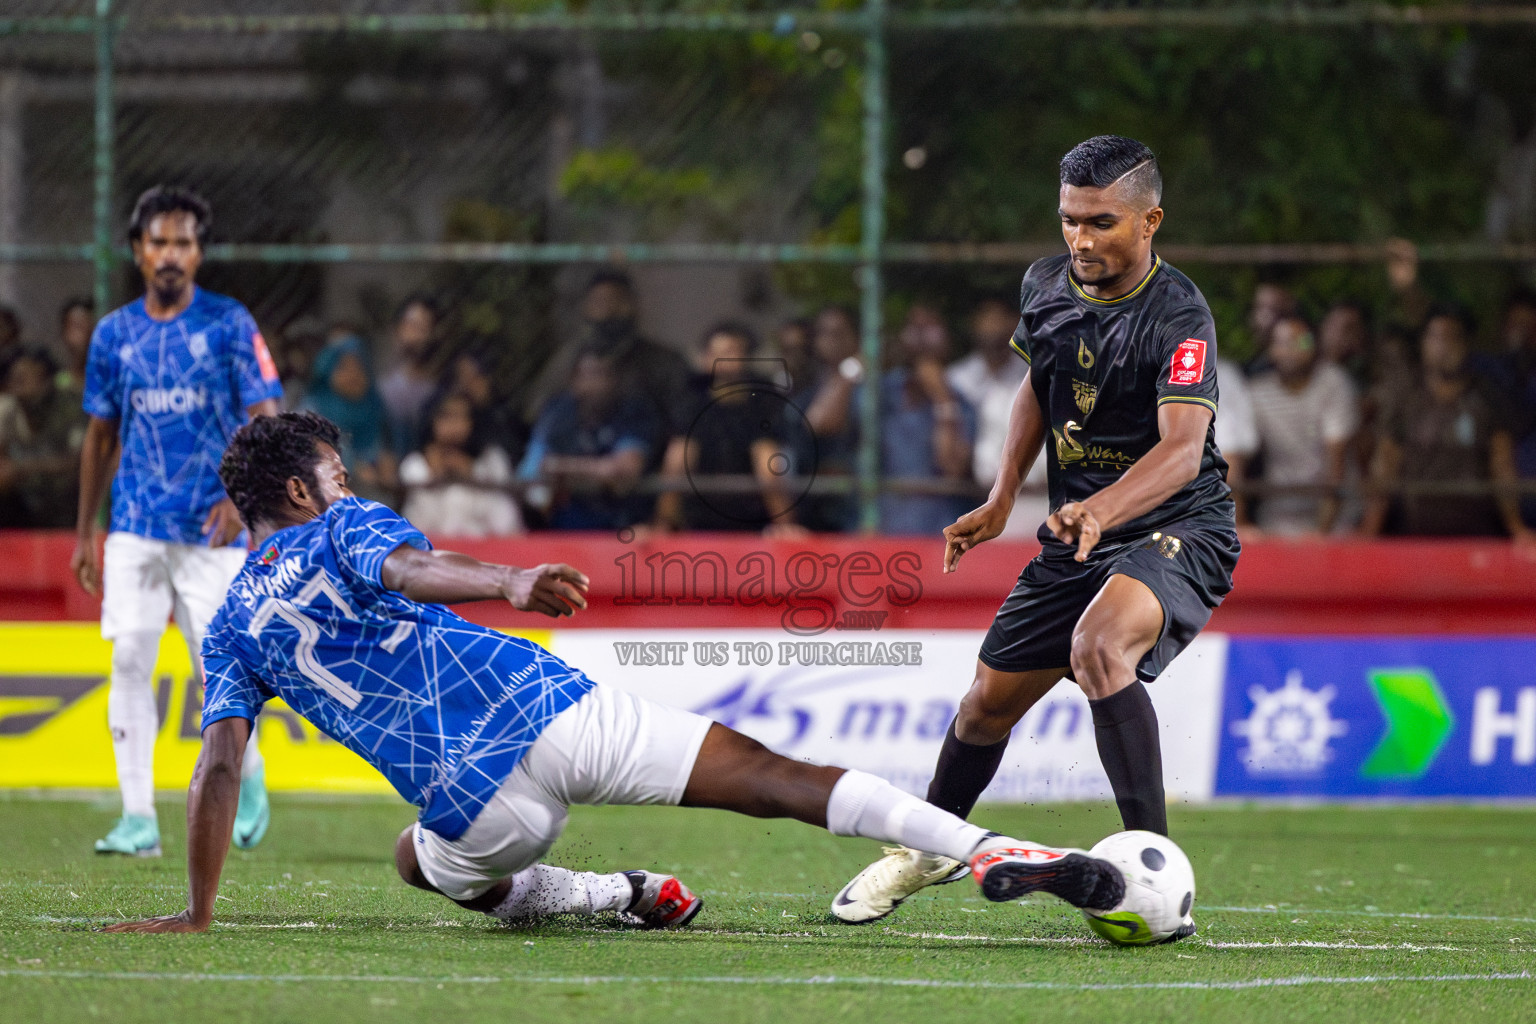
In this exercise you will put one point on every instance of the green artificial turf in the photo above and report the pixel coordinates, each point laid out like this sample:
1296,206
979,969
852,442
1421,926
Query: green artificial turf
1327,914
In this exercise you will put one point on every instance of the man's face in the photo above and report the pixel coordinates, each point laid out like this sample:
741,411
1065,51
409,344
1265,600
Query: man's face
724,358
75,331
331,478
1270,303
1443,348
29,382
1107,232
992,328
168,255
1292,348
1520,328
924,336
608,301
594,383
1342,335
836,338
413,331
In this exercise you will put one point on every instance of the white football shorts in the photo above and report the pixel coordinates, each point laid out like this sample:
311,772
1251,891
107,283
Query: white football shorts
144,581
610,747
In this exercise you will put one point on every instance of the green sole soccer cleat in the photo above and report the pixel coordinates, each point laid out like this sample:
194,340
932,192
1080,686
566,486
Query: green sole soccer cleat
255,812
134,835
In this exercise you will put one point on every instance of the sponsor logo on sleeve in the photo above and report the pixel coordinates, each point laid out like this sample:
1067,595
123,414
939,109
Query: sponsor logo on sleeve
264,358
1188,362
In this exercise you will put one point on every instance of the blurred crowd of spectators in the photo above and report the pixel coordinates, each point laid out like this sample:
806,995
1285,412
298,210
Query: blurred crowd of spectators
1339,427
1336,426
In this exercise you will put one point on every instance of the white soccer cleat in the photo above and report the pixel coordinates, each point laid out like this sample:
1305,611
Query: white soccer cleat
881,887
1008,869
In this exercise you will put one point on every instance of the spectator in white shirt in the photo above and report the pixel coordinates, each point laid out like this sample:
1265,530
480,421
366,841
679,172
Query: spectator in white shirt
451,482
1236,434
1306,411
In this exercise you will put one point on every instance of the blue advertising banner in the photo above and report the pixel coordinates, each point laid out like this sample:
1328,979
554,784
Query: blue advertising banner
1379,716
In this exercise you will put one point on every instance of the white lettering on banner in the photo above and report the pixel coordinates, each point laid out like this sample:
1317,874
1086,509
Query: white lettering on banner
1490,724
884,707
160,400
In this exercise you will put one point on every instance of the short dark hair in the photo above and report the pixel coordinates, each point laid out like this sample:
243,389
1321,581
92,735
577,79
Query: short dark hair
170,199
1521,296
421,299
1451,311
619,279
35,354
1101,161
265,453
75,302
735,329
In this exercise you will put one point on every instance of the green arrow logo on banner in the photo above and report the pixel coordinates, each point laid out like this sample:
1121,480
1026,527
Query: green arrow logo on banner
1418,723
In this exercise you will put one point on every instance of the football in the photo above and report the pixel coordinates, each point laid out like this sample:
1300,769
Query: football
1159,890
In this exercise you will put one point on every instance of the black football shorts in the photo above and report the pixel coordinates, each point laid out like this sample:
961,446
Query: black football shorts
1188,566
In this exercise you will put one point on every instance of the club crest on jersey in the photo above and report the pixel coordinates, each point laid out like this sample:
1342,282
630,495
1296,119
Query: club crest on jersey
1068,448
1084,356
198,345
1188,362
1084,394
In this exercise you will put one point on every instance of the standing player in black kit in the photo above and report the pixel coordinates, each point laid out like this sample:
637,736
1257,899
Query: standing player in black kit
1142,539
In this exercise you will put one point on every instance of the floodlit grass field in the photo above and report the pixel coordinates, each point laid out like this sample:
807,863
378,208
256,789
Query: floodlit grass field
1328,914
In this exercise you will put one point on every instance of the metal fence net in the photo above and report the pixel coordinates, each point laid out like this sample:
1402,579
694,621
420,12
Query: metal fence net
751,159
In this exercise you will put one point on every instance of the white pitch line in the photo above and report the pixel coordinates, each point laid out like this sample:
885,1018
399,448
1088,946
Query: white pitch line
1295,981
1026,940
1405,915
1396,947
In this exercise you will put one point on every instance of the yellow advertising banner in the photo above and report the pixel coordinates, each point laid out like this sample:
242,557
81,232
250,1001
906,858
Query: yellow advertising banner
53,718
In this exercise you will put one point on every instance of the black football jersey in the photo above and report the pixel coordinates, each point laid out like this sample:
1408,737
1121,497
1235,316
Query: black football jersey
1101,367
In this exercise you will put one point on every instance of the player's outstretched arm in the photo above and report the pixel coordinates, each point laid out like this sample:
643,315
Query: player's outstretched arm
1026,435
446,577
1154,478
211,804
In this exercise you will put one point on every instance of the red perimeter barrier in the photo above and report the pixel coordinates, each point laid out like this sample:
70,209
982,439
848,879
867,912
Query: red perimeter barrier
842,582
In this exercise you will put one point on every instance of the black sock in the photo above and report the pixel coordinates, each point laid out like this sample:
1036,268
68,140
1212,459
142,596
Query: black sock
1125,726
963,771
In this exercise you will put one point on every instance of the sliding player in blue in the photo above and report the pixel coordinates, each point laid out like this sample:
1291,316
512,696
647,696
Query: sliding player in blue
340,612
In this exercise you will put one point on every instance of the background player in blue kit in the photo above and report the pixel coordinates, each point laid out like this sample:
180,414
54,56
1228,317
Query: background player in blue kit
168,380
339,611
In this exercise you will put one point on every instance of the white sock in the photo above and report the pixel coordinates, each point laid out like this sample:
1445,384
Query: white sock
253,761
864,805
544,889
134,720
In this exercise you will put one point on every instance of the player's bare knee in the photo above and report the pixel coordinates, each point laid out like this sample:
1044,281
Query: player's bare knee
1097,664
983,718
405,860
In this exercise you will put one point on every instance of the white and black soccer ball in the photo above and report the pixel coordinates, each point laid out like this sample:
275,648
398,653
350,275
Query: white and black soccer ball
1159,890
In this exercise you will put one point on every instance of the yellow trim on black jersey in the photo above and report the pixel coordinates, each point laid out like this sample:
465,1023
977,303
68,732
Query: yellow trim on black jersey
1013,343
1190,400
1157,261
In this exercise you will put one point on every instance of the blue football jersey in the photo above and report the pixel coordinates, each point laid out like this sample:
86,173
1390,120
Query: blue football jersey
179,389
443,708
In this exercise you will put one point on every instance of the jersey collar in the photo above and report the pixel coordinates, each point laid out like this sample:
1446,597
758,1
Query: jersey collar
1157,261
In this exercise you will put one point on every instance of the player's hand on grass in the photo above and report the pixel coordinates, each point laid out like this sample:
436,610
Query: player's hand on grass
222,525
85,563
181,922
1074,523
975,527
551,589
